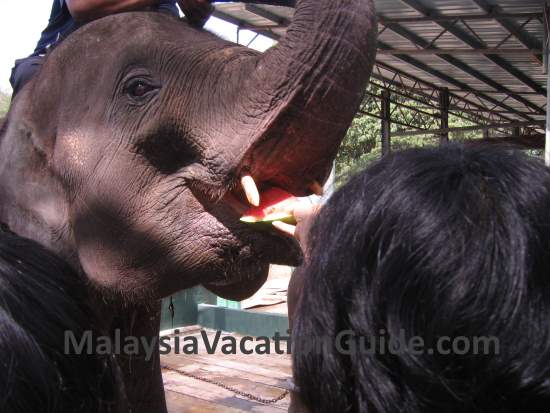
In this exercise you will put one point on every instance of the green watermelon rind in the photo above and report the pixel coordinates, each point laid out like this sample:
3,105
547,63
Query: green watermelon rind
269,219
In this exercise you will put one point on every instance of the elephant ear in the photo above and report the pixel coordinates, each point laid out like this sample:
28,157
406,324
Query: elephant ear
37,106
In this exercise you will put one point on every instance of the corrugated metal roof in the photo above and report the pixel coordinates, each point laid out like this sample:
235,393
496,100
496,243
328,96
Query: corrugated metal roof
520,74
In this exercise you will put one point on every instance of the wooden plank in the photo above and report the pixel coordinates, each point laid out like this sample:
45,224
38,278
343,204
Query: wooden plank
279,362
278,373
183,403
263,376
217,395
206,368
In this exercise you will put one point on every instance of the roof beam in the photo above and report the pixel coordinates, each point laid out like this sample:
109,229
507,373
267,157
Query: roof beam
506,24
471,115
424,82
535,141
452,81
470,128
279,21
476,44
242,24
415,39
266,14
469,17
452,52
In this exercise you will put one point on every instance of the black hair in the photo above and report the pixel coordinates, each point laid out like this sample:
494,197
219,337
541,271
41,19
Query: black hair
41,298
449,242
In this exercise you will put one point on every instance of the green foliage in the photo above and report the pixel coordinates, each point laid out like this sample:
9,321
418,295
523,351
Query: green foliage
4,103
362,145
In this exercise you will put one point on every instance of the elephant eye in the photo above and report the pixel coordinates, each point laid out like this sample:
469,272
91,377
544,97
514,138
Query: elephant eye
139,88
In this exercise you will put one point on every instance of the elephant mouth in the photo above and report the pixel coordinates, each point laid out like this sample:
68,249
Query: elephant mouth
248,249
269,244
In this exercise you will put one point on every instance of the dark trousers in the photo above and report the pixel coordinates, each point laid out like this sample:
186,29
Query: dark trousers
23,71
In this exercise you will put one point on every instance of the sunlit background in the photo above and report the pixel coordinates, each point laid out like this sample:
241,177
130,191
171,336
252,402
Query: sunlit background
21,23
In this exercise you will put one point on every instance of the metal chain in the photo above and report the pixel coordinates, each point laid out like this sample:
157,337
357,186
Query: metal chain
226,387
216,383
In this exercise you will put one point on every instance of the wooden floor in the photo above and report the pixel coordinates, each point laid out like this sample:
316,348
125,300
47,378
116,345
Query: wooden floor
263,376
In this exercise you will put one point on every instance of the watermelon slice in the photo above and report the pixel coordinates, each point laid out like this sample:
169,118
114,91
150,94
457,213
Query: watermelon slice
273,204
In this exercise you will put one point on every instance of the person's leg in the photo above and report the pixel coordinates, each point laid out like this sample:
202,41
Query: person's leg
23,71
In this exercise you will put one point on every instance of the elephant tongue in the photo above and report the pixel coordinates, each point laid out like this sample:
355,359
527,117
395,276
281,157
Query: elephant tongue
275,205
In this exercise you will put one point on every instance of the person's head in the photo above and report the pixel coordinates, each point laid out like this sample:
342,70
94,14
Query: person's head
40,299
445,254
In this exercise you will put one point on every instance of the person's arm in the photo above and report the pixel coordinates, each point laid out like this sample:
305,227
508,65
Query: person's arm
197,11
86,10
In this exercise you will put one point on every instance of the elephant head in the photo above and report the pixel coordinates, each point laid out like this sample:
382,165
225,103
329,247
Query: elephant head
126,152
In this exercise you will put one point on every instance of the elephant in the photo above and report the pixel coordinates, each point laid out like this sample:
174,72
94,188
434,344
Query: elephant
125,155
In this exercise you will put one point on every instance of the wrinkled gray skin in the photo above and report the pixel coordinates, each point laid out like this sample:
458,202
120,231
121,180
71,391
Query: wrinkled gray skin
141,194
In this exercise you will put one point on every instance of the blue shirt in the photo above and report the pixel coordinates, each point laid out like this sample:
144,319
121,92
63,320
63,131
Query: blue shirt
61,23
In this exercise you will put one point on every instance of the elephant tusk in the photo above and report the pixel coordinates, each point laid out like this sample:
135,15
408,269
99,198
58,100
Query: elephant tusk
251,190
316,188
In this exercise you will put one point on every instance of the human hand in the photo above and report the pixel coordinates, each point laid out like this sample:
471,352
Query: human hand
196,11
305,214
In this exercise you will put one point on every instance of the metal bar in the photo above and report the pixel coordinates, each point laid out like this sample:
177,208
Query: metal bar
237,22
266,14
444,102
420,93
489,16
253,39
401,93
415,39
274,36
472,42
432,86
469,128
472,31
459,111
409,107
547,37
254,27
516,141
436,38
386,123
452,81
453,52
505,23
496,112
494,91
394,122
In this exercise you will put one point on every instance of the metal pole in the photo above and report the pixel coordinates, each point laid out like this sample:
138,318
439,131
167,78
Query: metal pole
386,123
460,52
444,111
532,123
547,142
546,36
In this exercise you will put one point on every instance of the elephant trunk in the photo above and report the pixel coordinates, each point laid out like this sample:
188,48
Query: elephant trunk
302,94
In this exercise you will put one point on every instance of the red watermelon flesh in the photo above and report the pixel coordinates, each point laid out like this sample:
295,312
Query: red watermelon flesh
274,204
